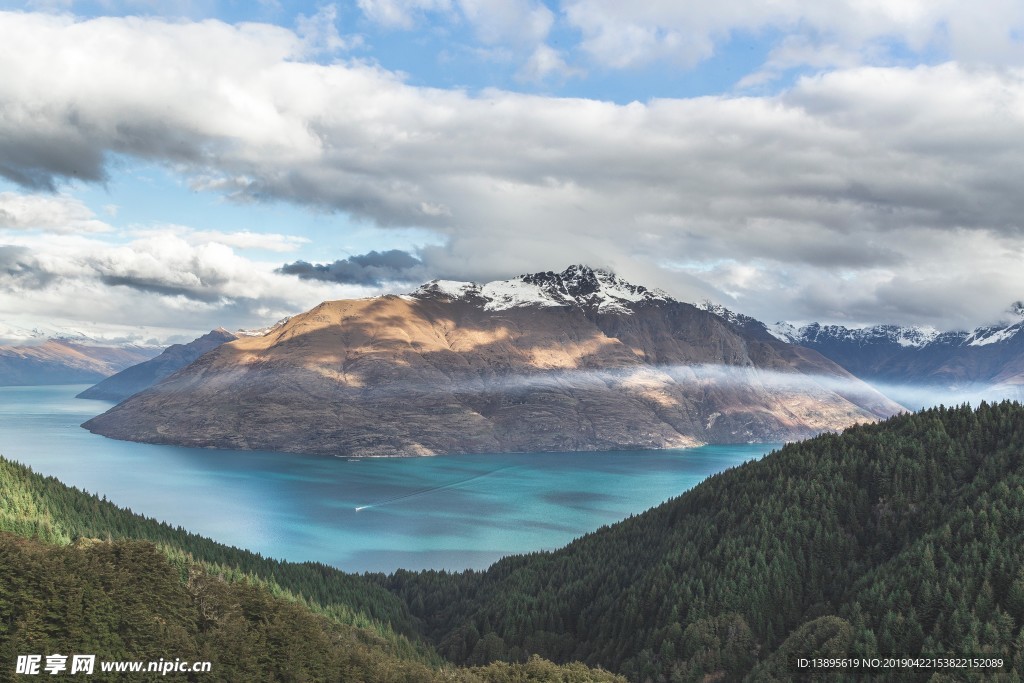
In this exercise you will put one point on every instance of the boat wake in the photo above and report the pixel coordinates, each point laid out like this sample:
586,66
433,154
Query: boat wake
431,489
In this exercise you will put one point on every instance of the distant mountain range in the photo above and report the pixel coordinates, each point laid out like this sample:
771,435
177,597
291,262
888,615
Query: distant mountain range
577,360
52,355
65,361
919,365
138,377
588,360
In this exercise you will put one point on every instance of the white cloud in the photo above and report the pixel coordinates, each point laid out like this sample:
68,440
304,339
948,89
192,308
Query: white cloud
505,30
839,174
400,13
56,214
245,239
159,281
320,32
494,21
508,21
796,51
619,34
545,62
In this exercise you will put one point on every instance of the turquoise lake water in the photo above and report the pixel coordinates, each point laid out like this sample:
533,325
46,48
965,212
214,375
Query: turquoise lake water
375,514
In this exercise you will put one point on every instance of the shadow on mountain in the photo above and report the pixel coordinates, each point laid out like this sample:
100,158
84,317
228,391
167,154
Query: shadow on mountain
401,376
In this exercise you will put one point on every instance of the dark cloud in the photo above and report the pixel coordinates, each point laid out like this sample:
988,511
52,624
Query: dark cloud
19,267
371,269
37,161
12,258
155,286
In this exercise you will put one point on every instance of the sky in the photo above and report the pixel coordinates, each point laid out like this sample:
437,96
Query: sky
170,167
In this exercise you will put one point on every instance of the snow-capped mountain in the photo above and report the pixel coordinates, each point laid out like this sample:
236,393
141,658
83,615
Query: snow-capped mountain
577,360
592,289
987,362
885,335
37,334
750,325
1006,330
895,336
260,331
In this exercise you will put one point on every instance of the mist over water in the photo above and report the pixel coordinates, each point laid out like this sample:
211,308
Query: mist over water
910,396
639,376
918,396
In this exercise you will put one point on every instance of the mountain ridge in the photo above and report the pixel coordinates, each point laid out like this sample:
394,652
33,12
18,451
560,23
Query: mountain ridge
581,358
986,362
59,361
138,377
594,289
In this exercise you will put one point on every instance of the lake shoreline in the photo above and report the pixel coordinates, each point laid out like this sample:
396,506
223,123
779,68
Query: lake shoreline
450,512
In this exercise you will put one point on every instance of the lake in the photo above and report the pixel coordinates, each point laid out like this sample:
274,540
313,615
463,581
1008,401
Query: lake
375,514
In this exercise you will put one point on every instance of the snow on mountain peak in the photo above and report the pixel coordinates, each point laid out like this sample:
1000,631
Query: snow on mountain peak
577,285
784,332
907,337
12,334
259,331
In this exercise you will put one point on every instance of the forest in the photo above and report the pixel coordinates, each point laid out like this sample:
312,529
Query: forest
79,575
899,538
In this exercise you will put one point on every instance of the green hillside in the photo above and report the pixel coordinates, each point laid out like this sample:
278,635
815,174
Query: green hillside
73,580
898,538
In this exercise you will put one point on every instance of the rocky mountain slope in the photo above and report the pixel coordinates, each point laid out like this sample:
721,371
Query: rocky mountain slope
63,361
134,379
578,360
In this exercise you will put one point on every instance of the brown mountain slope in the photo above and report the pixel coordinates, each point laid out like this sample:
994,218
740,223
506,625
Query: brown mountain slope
439,374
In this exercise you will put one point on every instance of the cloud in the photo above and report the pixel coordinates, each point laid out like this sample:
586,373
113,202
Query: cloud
159,281
493,21
400,13
508,21
623,35
320,32
248,240
777,203
57,214
19,265
371,269
545,62
502,30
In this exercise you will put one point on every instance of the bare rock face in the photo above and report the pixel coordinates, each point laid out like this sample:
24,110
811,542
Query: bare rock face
578,360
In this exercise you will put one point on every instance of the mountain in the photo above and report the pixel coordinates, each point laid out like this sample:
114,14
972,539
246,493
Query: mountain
65,361
985,362
134,379
578,360
901,538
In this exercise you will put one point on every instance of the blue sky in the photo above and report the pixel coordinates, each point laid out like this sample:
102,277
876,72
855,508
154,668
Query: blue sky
851,162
